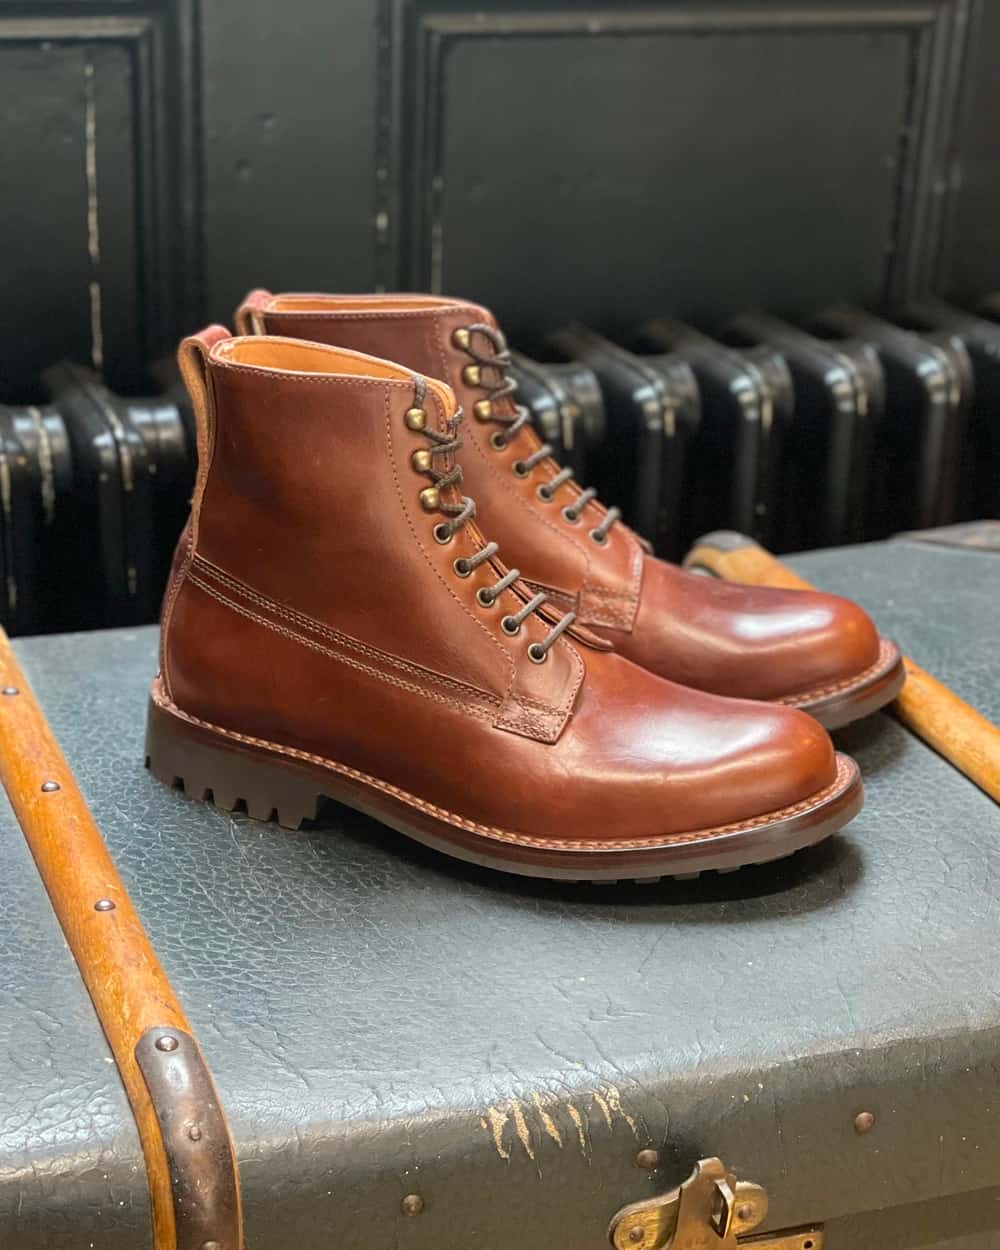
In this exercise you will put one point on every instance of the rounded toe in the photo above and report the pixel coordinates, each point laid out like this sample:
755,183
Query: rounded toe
794,760
848,645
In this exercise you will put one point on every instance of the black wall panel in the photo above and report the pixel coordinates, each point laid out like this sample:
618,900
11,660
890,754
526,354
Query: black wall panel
971,250
289,146
710,203
605,160
97,203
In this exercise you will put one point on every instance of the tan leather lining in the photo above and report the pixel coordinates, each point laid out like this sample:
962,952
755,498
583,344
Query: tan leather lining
346,303
298,356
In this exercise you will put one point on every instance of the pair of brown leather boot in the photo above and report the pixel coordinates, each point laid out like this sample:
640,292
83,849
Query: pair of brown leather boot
429,620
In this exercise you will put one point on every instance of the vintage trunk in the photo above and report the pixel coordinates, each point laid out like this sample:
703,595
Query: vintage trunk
416,1053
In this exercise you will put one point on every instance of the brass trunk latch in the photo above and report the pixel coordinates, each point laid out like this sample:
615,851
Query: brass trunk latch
711,1210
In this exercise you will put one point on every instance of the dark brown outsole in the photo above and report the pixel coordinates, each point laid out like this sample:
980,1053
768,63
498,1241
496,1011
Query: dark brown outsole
268,784
870,694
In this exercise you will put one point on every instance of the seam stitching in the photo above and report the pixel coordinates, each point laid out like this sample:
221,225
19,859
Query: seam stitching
374,654
468,708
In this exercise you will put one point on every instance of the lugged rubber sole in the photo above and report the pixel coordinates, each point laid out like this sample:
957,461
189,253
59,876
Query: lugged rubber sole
853,700
271,782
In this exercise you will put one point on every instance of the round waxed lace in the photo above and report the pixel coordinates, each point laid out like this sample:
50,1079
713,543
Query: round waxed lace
459,512
498,359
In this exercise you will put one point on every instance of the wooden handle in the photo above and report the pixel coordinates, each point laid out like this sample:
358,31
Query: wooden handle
935,713
127,985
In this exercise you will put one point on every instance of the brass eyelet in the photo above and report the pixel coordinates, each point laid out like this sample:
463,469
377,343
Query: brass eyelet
569,515
416,418
497,441
460,338
430,498
519,469
510,626
486,597
442,533
544,493
472,375
598,537
537,653
461,567
421,460
483,409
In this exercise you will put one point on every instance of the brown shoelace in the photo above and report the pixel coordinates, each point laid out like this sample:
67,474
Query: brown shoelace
499,360
459,514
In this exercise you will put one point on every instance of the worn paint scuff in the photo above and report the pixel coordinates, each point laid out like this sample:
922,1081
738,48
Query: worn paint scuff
494,1123
548,1123
523,1116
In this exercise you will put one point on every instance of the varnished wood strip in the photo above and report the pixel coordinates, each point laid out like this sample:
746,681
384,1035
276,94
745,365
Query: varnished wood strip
945,722
119,967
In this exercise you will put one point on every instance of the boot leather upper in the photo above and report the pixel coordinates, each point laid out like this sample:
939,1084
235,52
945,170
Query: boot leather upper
310,607
761,643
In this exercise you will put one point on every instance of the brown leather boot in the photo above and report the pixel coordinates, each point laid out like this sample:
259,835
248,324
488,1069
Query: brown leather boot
336,625
806,649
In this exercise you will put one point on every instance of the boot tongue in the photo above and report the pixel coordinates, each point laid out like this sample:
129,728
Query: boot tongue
446,397
494,375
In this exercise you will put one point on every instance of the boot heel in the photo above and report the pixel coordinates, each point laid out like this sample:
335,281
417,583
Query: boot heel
232,777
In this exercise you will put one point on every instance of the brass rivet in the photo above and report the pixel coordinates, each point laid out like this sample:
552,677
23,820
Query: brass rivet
636,1233
416,418
483,408
648,1159
430,497
8,690
104,904
461,338
211,1245
412,1204
472,375
421,460
166,1042
744,1212
49,787
194,1132
864,1122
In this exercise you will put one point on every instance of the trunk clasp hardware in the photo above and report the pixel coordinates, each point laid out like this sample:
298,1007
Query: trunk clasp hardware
711,1210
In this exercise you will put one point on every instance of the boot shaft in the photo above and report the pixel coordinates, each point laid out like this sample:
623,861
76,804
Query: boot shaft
323,507
571,550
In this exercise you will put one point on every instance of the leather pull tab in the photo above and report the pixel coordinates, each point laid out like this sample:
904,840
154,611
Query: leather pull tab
192,358
249,317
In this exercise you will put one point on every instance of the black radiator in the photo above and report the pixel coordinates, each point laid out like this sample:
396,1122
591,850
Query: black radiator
845,427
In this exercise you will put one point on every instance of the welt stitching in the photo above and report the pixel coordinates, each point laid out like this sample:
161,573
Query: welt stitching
240,609
334,635
845,769
886,648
